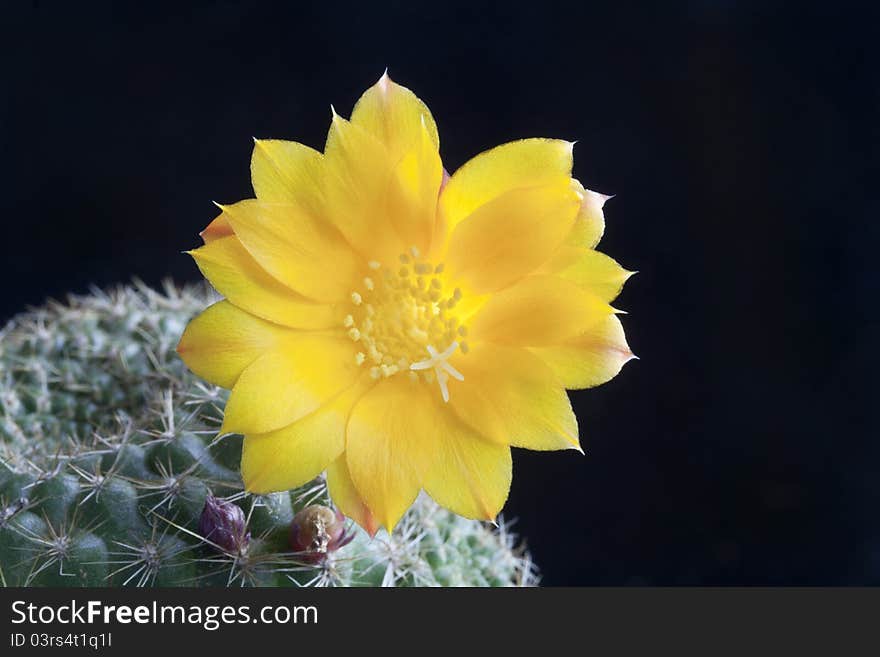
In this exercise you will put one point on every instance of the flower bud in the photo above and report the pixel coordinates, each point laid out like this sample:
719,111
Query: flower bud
316,532
223,524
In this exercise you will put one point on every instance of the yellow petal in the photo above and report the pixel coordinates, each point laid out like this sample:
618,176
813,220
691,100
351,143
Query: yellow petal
346,498
467,475
283,386
511,397
538,310
401,436
303,252
388,441
237,276
490,174
589,359
394,115
412,194
222,341
216,229
590,223
290,457
287,172
511,235
591,270
357,173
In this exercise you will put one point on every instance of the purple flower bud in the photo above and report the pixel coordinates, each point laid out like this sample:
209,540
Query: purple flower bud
223,524
317,531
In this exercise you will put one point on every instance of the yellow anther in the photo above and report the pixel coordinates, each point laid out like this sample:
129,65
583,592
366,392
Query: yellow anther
462,330
408,312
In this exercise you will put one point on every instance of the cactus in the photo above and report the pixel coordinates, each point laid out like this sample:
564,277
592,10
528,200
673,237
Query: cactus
111,466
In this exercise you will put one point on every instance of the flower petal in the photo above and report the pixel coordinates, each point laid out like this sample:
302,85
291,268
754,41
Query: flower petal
590,223
303,252
216,229
538,310
589,359
291,456
412,194
401,436
511,235
223,340
468,475
511,397
287,172
357,173
285,385
237,276
394,115
591,270
345,496
388,441
490,174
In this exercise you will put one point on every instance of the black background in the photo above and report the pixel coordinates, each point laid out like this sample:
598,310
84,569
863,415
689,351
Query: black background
740,139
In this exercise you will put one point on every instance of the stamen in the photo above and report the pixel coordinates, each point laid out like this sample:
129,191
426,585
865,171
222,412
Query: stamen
408,313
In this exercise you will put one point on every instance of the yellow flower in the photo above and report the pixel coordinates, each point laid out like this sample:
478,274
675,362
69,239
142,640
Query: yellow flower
398,327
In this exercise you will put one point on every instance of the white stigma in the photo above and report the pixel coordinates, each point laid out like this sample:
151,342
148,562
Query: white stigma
439,362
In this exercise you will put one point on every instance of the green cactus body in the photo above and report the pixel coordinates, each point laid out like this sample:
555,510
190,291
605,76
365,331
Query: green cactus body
109,448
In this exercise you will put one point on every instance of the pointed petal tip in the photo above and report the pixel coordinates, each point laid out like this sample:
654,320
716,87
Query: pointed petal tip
383,80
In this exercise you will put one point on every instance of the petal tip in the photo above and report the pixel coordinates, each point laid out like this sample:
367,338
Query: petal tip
383,81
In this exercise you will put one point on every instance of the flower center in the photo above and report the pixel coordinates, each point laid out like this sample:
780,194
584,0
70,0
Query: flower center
405,322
